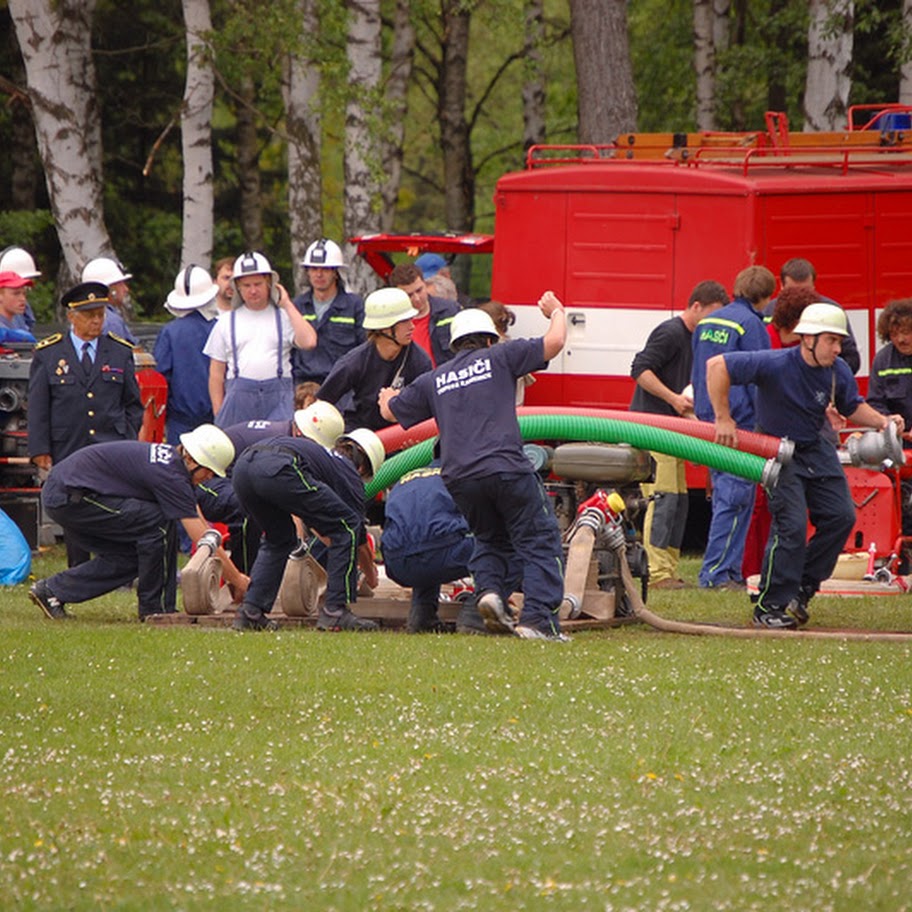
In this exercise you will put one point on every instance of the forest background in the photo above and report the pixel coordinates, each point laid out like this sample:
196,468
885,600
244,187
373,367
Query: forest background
181,131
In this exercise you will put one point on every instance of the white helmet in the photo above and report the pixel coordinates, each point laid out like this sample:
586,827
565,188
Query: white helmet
321,422
251,263
386,307
822,318
370,443
18,260
469,321
324,254
210,446
193,288
105,270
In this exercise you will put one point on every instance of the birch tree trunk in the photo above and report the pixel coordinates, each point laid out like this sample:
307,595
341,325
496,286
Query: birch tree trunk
705,63
604,74
402,55
196,138
300,88
905,73
533,86
830,38
363,156
458,175
55,39
251,211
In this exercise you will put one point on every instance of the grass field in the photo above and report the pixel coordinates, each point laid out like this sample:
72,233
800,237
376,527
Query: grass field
176,768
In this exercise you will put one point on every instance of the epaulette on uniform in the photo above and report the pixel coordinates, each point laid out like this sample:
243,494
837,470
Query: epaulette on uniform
120,339
50,340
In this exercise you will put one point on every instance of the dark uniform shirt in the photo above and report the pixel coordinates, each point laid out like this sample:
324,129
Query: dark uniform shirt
669,355
248,433
442,312
735,327
420,514
472,397
792,396
152,472
319,464
339,330
890,384
69,409
364,373
179,358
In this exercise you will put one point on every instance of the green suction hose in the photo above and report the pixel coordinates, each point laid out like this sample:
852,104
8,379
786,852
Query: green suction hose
602,430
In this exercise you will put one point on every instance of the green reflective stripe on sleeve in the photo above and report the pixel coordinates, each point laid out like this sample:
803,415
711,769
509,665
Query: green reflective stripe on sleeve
895,372
728,323
341,319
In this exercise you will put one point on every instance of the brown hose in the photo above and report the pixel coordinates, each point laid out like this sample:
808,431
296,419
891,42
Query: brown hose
695,629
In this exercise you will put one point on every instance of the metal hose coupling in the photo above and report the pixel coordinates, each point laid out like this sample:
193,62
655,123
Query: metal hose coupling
786,451
770,476
211,539
876,448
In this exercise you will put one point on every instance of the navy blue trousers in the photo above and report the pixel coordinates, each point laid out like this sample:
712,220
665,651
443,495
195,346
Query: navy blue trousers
812,486
514,525
130,538
272,488
219,503
424,572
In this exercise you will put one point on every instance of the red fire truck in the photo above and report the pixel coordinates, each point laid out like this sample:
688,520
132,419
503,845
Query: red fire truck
623,232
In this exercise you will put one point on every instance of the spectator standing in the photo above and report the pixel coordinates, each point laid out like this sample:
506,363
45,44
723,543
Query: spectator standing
224,269
890,383
14,301
662,373
250,347
111,273
485,469
337,315
433,315
794,387
82,387
388,358
179,354
800,273
19,260
736,327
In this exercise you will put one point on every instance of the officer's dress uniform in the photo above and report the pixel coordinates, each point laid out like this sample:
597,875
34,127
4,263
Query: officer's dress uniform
71,406
73,403
282,477
218,501
338,329
120,501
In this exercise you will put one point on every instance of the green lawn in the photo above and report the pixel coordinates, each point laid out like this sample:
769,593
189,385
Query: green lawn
178,768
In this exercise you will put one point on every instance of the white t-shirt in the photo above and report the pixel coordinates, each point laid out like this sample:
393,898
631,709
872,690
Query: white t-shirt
255,332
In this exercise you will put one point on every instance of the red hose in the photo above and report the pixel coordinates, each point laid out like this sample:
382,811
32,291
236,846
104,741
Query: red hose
396,438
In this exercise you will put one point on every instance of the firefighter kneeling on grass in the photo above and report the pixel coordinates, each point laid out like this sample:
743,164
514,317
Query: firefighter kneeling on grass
796,388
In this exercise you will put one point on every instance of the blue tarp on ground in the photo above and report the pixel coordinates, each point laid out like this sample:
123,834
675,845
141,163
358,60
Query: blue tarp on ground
15,554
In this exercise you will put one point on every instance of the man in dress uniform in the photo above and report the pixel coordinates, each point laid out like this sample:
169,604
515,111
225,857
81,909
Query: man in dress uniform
82,386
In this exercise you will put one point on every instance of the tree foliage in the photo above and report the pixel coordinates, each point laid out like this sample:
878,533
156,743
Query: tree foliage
140,59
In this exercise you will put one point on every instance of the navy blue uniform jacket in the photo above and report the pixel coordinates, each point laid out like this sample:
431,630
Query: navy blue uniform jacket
68,410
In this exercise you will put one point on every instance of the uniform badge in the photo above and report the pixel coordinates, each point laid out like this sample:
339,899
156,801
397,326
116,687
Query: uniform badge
62,367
